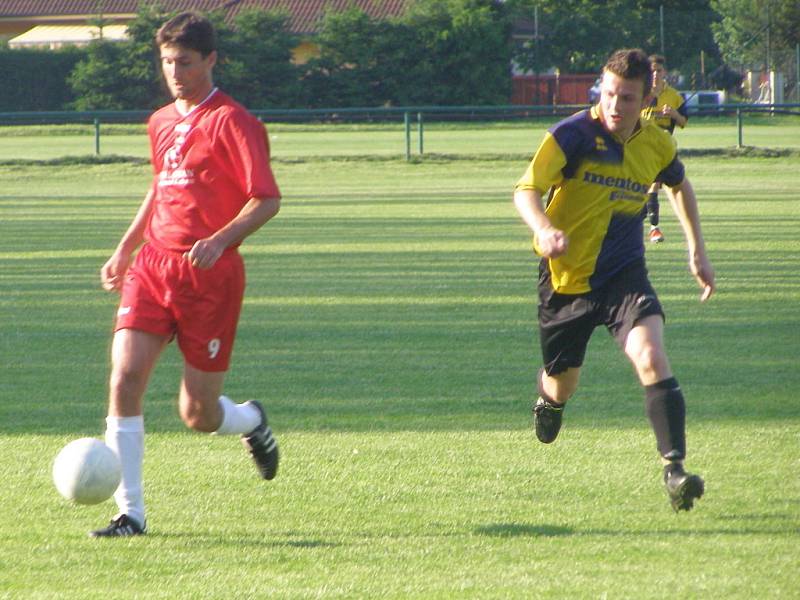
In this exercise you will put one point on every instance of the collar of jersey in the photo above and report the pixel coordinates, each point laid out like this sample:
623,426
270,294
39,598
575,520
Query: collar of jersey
595,113
194,108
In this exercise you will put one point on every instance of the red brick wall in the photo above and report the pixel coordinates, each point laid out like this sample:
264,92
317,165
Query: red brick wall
551,89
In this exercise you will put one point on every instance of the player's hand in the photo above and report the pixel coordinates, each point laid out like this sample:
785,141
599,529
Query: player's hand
205,253
113,272
704,274
552,242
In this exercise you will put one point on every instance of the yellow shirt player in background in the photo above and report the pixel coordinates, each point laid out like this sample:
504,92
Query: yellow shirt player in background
595,168
666,109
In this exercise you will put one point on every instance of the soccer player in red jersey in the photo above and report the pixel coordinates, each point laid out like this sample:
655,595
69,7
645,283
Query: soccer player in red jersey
212,187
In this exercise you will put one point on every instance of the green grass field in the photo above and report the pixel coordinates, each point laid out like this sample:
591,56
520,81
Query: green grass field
390,328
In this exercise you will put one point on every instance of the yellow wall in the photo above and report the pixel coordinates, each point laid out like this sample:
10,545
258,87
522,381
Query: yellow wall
304,52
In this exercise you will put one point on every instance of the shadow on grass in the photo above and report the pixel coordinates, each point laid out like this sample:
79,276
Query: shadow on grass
228,540
514,530
509,530
770,517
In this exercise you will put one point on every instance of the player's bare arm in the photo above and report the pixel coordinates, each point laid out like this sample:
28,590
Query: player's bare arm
205,253
672,113
550,241
113,271
684,202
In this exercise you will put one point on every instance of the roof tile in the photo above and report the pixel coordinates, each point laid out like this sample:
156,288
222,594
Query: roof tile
306,14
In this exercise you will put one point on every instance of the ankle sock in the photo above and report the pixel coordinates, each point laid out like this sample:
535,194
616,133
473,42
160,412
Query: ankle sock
237,419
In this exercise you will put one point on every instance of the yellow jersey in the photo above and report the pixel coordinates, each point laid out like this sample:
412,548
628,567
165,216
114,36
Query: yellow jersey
597,188
668,97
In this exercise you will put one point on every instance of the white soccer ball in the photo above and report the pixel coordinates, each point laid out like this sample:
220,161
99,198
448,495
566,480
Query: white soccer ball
86,471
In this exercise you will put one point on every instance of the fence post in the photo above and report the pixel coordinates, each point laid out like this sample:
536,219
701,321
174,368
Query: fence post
420,128
739,125
407,123
97,137
797,72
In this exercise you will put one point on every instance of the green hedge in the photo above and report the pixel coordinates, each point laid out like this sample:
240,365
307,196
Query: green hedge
37,79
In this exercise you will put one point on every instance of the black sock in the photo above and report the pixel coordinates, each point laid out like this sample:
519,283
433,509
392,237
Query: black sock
666,410
652,208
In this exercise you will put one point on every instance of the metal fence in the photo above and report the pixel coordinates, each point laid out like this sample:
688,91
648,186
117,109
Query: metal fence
413,119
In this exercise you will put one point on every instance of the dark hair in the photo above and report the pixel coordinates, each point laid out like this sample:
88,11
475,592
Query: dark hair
657,59
188,30
631,63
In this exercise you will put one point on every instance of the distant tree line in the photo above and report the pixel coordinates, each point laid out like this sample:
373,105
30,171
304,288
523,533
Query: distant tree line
714,40
577,36
441,52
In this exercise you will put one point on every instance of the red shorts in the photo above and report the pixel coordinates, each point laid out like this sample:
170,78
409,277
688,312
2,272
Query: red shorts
164,295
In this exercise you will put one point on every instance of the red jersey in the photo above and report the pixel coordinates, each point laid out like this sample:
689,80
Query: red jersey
207,165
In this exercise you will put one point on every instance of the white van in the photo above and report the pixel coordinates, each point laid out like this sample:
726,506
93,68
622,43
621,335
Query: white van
703,100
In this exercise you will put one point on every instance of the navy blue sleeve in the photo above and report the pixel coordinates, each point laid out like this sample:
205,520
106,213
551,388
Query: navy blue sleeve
571,134
673,174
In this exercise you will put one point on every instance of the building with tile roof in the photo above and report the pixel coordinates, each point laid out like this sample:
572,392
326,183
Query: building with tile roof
51,23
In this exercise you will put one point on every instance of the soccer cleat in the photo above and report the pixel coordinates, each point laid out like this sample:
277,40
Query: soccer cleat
262,445
683,488
121,526
655,235
547,420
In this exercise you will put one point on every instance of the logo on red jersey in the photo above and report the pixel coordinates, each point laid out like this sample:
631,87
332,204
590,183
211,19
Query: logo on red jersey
172,174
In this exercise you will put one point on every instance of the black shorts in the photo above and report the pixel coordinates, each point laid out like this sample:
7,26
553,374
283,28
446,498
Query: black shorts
566,321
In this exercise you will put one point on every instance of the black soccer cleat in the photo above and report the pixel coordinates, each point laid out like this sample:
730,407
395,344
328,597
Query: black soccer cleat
683,488
547,420
121,526
262,445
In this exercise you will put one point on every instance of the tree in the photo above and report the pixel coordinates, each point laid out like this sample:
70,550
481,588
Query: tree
752,33
256,67
254,63
345,73
363,61
463,52
142,68
97,80
441,52
122,75
577,36
687,33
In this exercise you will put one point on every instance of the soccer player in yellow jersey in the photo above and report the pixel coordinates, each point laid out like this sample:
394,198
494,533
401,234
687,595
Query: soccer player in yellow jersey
666,109
595,168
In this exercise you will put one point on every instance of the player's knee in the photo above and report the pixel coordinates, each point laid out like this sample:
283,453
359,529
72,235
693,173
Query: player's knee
126,382
650,362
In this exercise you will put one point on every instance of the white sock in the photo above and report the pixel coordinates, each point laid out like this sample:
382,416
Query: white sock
125,436
237,419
